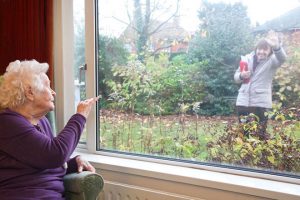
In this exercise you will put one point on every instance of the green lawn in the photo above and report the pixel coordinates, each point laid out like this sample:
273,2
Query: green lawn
186,137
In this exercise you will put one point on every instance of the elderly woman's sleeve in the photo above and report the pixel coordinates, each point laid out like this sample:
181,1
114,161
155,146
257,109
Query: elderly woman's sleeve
38,148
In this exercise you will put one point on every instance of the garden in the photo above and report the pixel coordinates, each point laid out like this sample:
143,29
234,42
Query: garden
182,105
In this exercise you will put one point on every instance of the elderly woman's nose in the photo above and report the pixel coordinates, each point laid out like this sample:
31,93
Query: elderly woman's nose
53,92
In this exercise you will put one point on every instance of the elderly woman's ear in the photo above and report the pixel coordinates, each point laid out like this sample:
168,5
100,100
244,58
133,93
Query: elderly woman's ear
29,93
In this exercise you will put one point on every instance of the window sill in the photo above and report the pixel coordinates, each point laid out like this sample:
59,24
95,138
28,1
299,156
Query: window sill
216,180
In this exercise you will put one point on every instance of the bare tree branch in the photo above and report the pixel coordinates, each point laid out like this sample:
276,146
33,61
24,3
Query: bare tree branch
161,48
128,14
128,24
166,21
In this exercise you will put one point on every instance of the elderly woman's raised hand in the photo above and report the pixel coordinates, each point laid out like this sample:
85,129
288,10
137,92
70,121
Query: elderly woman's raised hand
84,107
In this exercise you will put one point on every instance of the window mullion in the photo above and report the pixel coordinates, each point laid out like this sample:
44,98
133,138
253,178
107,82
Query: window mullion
90,73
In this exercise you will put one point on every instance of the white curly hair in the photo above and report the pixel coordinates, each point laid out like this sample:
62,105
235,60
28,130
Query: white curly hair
18,76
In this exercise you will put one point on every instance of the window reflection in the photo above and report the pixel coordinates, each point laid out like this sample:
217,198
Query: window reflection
166,74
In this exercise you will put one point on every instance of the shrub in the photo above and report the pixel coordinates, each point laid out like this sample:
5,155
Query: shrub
280,152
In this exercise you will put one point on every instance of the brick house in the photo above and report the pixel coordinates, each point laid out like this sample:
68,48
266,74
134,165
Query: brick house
288,25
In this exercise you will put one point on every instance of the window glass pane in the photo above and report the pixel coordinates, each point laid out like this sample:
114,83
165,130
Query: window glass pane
205,82
79,54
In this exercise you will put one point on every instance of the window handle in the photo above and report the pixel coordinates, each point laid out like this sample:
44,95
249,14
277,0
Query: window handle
82,70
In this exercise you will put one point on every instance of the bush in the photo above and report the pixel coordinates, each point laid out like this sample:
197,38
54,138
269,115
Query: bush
280,152
155,88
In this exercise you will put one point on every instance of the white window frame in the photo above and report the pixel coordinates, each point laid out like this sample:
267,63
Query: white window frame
63,62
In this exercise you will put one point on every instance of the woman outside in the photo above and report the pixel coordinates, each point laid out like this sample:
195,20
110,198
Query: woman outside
255,74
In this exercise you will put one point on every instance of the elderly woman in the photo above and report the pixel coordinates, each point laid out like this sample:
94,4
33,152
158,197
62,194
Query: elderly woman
32,161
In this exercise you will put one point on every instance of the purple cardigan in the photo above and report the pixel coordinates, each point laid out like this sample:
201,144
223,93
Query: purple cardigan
31,159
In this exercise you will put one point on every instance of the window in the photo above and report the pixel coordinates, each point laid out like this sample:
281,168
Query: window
165,72
79,54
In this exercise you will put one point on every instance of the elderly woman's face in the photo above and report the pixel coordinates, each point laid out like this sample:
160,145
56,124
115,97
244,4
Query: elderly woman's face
44,99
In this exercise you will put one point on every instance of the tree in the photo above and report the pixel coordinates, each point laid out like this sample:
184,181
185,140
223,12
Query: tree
111,52
146,20
224,34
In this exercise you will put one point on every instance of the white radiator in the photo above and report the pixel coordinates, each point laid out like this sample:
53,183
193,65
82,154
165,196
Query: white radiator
117,191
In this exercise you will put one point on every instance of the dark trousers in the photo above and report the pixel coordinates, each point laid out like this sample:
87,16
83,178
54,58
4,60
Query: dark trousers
243,114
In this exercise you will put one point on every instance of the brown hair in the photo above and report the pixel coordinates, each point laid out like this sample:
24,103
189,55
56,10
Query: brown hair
263,44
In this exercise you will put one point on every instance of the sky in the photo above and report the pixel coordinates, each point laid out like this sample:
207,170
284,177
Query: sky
258,10
113,13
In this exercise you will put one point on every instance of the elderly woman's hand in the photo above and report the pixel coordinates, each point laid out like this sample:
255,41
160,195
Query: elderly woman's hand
84,107
84,165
